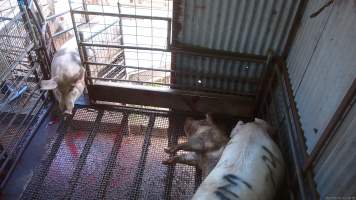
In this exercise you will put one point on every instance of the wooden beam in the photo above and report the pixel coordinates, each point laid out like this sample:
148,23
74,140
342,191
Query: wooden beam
180,100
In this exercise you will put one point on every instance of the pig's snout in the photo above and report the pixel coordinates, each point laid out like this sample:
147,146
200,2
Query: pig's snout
67,112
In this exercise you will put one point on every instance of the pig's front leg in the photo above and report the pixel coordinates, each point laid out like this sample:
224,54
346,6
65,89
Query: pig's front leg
187,158
185,146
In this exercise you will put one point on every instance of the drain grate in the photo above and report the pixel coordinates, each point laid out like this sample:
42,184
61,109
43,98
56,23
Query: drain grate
113,154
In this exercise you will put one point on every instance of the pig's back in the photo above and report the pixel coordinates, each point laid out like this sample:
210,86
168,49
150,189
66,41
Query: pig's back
250,168
66,62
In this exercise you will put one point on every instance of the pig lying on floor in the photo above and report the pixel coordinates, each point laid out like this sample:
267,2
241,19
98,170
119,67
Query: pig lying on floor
250,166
67,76
206,142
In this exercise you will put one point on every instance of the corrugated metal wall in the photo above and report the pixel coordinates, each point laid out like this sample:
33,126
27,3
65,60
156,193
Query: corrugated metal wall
322,67
335,172
322,64
244,26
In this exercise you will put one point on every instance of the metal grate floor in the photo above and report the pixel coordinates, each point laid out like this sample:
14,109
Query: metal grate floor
113,154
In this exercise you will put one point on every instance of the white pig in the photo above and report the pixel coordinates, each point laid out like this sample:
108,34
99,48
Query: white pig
67,76
250,168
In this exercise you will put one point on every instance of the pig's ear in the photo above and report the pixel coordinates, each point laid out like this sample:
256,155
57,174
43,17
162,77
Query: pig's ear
209,118
48,84
270,130
189,126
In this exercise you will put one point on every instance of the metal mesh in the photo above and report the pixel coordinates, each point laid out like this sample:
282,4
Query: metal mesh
21,101
126,41
112,154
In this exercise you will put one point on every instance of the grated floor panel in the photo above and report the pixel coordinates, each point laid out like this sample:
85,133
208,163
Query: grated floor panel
113,154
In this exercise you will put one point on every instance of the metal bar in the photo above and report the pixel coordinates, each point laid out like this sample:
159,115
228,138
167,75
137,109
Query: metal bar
199,51
67,30
329,131
85,7
83,156
39,10
121,46
112,158
236,79
78,39
196,88
293,149
119,15
265,75
172,140
26,143
141,165
169,34
59,14
283,69
38,179
300,139
173,98
85,58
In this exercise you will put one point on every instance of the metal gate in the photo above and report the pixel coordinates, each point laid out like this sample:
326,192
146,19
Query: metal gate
26,50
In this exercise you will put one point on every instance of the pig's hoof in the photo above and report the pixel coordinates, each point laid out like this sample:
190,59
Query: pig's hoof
169,161
169,150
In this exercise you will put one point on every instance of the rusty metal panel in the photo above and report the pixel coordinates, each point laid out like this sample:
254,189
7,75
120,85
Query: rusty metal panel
244,26
335,172
322,79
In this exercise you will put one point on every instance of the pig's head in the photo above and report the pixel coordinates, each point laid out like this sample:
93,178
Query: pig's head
191,126
258,122
263,124
205,133
66,91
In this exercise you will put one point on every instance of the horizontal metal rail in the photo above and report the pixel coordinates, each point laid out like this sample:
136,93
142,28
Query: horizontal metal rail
121,46
82,12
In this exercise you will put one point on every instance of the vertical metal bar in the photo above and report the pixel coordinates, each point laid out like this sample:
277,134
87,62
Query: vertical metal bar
121,33
169,24
142,162
85,57
263,80
85,7
112,157
78,39
172,140
293,148
83,156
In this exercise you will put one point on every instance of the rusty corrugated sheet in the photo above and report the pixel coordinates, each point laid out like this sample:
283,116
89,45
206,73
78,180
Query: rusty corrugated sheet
244,26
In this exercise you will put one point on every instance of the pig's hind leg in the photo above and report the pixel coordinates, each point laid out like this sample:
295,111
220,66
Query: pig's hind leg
190,158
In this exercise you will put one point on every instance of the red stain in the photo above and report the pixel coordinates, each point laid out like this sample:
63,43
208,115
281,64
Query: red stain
54,120
70,142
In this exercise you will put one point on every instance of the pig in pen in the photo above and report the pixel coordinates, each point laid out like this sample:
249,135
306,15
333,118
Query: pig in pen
116,152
